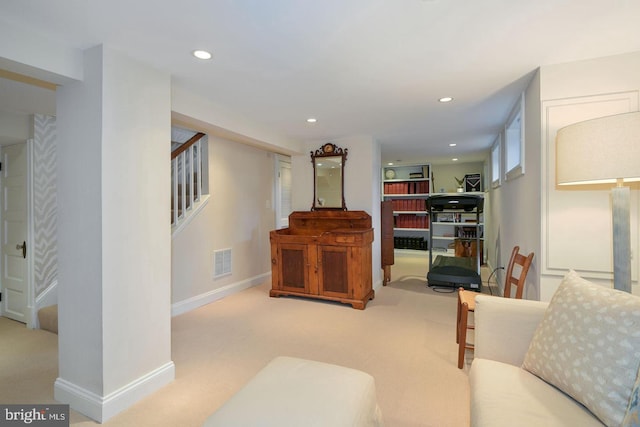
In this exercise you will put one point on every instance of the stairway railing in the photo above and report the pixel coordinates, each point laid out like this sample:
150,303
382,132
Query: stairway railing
186,177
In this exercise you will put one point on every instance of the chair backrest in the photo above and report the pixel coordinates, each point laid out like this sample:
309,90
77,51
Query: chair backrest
514,278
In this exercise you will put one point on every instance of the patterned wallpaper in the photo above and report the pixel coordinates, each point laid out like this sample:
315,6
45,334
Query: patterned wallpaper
44,202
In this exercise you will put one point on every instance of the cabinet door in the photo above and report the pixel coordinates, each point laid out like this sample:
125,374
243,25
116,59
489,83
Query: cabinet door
333,274
294,267
386,222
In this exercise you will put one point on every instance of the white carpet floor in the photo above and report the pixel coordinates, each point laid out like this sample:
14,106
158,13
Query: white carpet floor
405,338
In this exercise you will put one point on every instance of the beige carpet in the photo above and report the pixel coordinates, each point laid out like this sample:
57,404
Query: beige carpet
405,338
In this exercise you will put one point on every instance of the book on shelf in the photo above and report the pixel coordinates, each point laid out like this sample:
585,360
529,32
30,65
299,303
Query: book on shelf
406,187
412,221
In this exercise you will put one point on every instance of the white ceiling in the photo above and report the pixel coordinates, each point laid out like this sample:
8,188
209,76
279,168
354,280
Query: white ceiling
361,67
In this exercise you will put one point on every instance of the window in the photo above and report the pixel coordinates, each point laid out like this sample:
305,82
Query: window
496,170
514,141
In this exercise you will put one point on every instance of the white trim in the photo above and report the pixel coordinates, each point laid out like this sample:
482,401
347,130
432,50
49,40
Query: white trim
277,190
31,313
182,223
192,303
49,296
378,285
517,169
497,164
101,408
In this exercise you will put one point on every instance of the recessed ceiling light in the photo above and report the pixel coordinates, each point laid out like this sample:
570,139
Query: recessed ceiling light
312,120
455,159
202,54
453,144
446,99
390,164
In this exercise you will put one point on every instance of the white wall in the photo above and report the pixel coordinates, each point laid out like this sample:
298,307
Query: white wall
80,229
515,205
361,185
565,228
239,215
25,51
14,127
136,245
576,227
197,113
444,176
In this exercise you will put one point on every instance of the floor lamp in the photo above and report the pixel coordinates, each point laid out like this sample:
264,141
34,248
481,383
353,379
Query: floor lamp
605,151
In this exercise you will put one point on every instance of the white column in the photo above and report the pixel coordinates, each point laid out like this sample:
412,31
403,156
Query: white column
113,235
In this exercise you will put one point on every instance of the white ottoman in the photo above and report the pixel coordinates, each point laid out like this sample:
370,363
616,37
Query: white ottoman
297,392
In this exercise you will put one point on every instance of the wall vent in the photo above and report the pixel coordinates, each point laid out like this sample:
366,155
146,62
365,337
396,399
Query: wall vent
221,263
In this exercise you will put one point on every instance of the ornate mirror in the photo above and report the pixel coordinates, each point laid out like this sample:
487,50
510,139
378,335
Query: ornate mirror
328,177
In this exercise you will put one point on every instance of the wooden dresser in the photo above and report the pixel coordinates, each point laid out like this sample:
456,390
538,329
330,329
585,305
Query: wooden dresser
325,255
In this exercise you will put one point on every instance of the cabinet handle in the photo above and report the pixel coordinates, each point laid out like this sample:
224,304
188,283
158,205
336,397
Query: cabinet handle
273,261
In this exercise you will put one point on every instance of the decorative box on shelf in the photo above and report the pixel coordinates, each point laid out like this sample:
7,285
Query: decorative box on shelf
472,182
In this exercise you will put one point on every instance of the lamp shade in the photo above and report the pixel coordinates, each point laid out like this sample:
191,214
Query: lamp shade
601,150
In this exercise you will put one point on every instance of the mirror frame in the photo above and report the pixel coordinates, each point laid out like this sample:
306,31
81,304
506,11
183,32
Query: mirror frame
328,150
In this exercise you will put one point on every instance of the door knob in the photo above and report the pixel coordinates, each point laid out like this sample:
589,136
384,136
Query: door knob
22,246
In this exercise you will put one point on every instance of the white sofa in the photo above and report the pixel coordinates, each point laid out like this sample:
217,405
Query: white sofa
502,393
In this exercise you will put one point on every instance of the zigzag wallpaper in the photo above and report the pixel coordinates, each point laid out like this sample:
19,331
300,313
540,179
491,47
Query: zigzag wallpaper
44,202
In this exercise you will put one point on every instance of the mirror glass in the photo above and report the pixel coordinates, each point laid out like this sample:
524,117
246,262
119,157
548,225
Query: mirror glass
328,167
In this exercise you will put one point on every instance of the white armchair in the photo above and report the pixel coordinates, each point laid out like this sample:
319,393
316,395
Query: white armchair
502,393
504,327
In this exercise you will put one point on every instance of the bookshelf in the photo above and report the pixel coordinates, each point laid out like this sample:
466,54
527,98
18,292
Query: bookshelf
408,187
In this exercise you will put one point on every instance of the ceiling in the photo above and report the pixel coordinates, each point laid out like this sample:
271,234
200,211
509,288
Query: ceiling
361,67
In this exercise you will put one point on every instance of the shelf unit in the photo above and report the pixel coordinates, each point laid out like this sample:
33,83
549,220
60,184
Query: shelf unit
457,230
452,230
408,187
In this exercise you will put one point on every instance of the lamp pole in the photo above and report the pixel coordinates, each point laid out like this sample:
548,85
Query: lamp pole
621,196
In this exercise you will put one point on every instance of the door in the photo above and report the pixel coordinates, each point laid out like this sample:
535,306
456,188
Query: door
387,241
294,267
14,232
283,191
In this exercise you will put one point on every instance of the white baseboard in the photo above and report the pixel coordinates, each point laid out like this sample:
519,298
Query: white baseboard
101,408
192,303
377,285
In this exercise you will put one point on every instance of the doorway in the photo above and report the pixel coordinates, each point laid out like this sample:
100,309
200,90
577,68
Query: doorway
283,191
14,282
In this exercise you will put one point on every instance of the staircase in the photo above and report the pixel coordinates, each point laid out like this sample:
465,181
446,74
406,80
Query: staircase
186,178
48,318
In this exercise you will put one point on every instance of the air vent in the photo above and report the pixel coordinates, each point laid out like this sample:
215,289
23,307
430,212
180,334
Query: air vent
221,263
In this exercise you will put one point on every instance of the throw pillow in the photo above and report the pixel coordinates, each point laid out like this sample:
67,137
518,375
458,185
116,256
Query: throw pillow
588,346
632,417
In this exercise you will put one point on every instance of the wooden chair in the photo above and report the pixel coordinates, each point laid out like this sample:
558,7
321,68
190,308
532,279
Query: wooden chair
467,299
